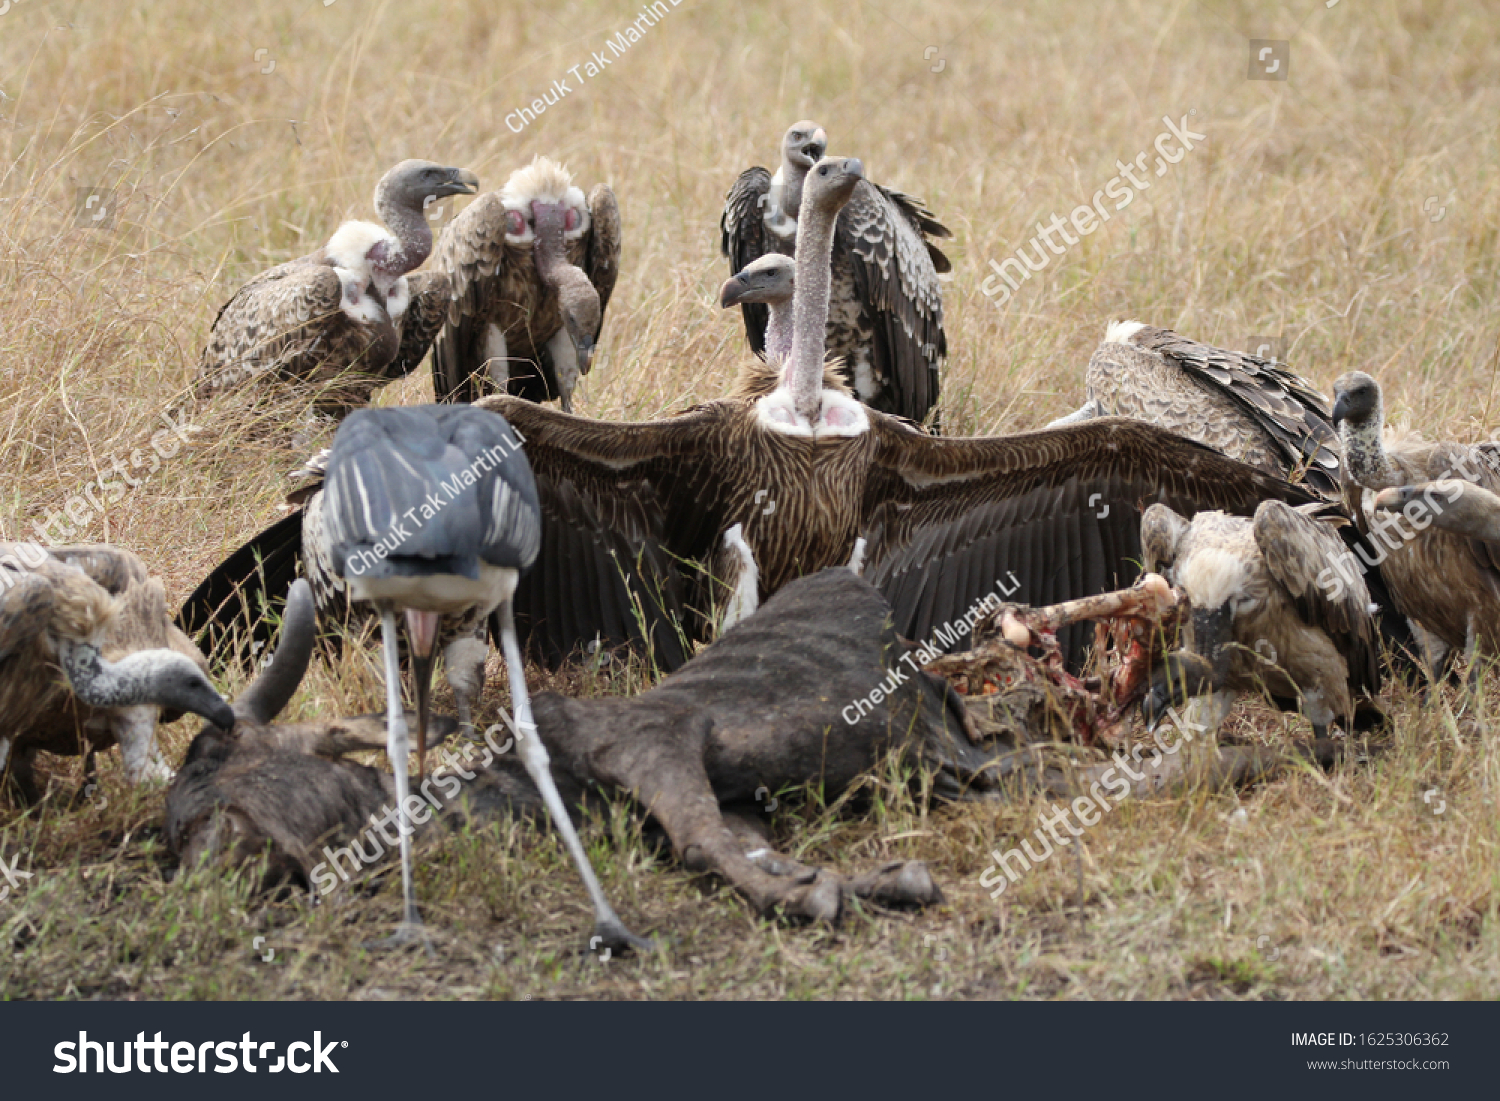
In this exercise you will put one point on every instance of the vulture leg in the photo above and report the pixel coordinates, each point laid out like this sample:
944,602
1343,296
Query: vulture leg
464,659
398,748
134,728
609,930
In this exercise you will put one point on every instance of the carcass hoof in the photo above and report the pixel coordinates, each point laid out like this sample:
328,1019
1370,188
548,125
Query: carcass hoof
902,884
611,936
818,900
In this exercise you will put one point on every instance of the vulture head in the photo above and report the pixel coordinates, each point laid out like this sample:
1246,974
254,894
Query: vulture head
771,279
544,210
1356,399
802,147
401,199
162,677
831,182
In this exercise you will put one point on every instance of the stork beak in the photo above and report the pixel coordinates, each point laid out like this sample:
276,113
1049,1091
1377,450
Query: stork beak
460,182
422,630
736,288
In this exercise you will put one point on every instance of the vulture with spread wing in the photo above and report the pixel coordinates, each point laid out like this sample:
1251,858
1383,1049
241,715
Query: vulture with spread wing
885,316
531,268
634,516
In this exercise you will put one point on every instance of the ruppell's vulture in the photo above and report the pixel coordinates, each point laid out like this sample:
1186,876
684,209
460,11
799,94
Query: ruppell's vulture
531,268
1250,408
885,316
1263,615
1448,581
89,658
345,320
634,515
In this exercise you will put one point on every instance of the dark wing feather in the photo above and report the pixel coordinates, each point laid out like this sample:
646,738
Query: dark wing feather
896,282
602,260
624,515
1059,509
1297,548
743,237
226,615
1279,401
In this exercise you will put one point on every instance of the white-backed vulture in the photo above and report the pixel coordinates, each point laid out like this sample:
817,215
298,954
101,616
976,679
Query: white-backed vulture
1448,582
634,514
89,658
1261,619
885,317
347,319
531,268
1249,408
770,281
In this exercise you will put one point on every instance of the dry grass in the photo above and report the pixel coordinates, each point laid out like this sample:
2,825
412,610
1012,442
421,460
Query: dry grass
1301,217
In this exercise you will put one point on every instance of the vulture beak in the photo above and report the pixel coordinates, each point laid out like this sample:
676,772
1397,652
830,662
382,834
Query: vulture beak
459,182
1395,498
817,146
1181,676
585,346
736,288
1340,408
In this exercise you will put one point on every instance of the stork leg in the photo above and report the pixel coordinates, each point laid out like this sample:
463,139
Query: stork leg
422,629
609,930
398,747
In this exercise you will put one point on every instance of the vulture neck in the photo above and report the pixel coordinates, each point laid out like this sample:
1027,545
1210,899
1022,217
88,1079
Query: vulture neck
810,310
101,683
551,254
413,239
779,331
1365,456
792,177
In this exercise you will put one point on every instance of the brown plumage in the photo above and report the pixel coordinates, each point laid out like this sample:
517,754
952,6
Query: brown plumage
1247,407
532,267
1449,582
344,320
89,657
1264,616
885,317
635,515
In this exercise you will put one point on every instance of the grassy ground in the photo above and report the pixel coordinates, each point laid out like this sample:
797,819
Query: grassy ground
1349,213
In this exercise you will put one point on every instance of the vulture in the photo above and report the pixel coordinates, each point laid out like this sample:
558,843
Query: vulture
1260,617
885,317
634,515
1445,579
1249,408
89,658
769,281
530,268
347,319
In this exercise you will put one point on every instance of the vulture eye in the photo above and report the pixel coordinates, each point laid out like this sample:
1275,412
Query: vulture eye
515,223
570,219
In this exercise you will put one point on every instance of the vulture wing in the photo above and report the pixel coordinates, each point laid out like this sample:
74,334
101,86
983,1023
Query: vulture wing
1279,402
895,279
271,322
424,316
482,272
1297,548
623,516
744,237
602,261
1038,518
